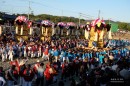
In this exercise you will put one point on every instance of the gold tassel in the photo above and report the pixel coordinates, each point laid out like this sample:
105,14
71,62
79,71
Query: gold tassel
21,30
30,31
42,30
96,36
86,34
16,30
46,31
109,35
101,35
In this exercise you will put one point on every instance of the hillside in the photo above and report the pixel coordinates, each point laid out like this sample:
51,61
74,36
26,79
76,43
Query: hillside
5,17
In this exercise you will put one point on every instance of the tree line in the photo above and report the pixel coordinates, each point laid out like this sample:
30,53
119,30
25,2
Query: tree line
56,19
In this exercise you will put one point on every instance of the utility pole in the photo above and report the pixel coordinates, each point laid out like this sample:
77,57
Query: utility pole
28,10
79,18
99,14
61,15
109,20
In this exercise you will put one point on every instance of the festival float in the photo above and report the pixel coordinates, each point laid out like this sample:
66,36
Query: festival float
70,28
46,29
62,26
21,24
98,33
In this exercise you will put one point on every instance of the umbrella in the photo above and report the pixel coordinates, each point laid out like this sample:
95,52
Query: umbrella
21,18
46,23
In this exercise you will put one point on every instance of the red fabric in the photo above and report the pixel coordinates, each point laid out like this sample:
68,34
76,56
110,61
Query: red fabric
98,31
55,66
47,74
54,47
27,49
35,68
34,48
20,72
63,67
28,75
92,60
15,62
65,47
39,48
46,51
29,24
60,47
76,61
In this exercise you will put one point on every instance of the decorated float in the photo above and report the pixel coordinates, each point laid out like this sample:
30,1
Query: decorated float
46,29
62,26
99,31
70,28
23,25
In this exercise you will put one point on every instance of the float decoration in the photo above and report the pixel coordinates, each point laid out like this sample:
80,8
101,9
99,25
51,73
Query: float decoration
70,26
21,27
61,26
97,32
46,30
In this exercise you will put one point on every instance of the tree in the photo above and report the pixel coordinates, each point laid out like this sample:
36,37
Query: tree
122,25
128,27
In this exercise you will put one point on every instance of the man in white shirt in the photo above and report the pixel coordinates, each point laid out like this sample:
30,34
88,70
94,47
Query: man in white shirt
11,53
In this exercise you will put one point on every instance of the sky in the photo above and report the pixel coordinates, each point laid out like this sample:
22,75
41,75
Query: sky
116,10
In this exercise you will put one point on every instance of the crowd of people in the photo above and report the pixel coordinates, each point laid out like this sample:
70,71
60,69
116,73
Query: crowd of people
67,58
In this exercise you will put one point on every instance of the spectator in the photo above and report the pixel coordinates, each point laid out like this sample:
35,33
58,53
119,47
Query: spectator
28,76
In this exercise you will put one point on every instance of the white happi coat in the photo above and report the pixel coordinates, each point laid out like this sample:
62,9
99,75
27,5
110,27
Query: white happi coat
39,52
25,52
29,51
10,53
4,54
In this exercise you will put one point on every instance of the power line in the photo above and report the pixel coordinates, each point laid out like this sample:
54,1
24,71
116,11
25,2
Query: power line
52,7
